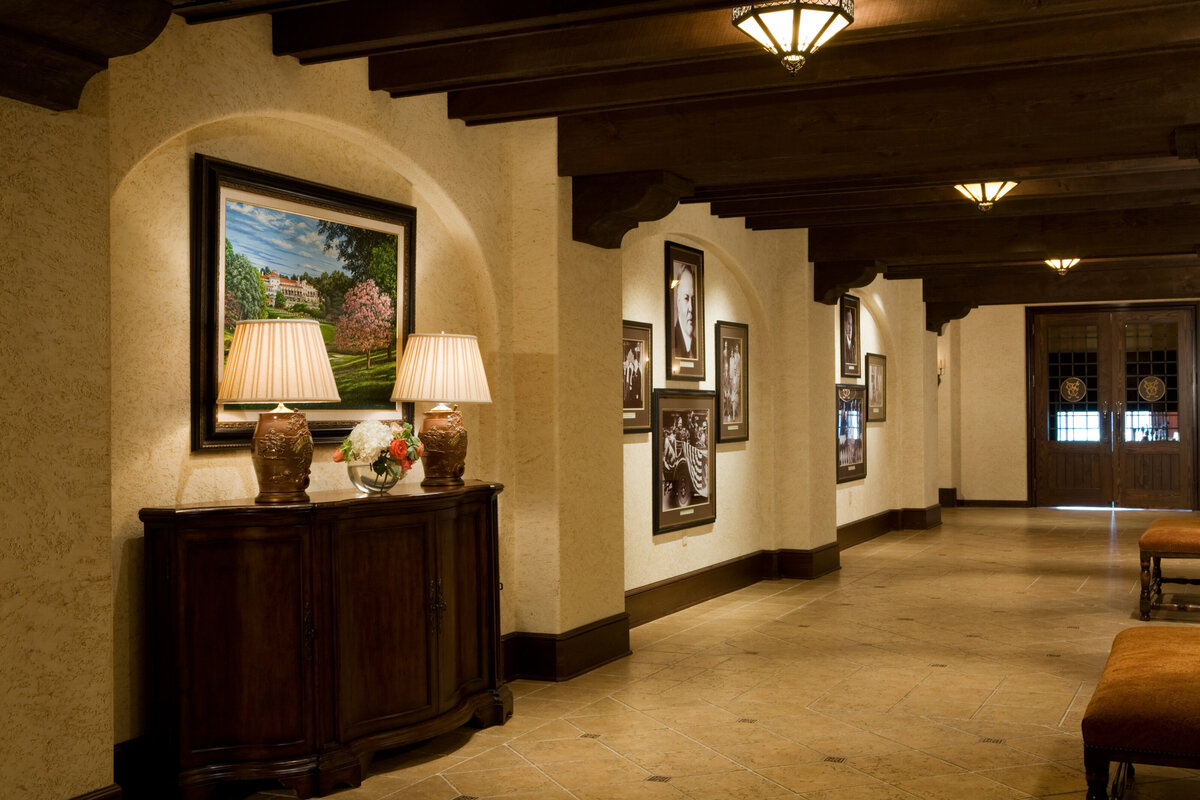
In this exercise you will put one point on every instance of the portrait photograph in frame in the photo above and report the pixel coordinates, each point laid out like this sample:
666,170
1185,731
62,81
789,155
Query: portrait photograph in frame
851,432
733,373
685,312
876,388
638,370
849,336
268,246
685,475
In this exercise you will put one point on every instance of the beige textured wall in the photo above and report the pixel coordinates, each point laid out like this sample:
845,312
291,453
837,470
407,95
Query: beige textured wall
756,279
992,411
949,346
55,571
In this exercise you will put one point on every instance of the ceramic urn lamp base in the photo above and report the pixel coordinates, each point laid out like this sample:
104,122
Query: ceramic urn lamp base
445,441
281,450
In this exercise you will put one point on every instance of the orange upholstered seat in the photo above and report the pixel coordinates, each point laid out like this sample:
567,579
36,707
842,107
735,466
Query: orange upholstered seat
1178,535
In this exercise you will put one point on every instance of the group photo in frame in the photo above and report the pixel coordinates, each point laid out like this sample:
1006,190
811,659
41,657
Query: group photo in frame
638,370
733,372
685,312
685,475
851,432
267,246
876,387
849,336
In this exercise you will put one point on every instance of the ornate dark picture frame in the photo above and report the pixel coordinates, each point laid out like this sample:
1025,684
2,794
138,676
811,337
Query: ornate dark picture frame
732,342
638,372
851,432
876,388
685,312
849,336
684,492
274,217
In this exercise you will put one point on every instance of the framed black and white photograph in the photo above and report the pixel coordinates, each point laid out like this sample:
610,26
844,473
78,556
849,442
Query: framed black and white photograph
685,312
851,432
876,388
685,475
638,369
269,246
733,371
850,335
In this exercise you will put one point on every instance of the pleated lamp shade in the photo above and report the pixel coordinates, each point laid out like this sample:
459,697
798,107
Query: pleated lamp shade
277,361
441,368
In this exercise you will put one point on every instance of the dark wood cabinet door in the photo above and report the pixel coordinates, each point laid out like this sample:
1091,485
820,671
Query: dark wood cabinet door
383,600
244,606
466,572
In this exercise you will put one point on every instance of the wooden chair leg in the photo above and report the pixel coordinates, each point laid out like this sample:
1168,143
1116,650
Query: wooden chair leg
1095,767
1145,603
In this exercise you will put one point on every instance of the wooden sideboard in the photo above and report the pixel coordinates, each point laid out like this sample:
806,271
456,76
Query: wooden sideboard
293,642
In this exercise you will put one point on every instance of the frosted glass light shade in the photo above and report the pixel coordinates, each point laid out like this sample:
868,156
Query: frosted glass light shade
441,368
793,29
1061,265
986,193
277,361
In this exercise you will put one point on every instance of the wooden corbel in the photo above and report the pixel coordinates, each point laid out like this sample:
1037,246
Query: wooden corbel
938,314
831,279
606,207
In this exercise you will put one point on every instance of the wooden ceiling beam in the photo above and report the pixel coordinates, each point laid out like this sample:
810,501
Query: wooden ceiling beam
354,28
1133,232
213,10
847,62
938,129
582,49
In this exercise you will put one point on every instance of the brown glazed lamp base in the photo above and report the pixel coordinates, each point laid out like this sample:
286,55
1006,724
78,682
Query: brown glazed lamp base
445,441
282,449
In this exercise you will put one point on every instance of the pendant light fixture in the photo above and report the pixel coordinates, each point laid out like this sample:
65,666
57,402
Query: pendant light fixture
1061,265
793,29
985,194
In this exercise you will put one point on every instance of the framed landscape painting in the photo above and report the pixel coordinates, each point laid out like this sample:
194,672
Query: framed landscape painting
271,246
637,367
851,432
876,388
733,371
685,312
685,475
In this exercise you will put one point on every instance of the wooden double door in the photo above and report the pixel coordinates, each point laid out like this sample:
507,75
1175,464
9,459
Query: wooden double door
1113,405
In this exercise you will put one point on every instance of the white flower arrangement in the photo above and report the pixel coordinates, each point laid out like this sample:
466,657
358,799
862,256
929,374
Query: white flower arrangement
367,440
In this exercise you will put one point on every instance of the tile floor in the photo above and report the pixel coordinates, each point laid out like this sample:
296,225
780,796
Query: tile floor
942,664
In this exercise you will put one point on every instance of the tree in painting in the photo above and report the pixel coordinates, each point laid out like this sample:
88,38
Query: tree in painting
245,297
367,254
365,323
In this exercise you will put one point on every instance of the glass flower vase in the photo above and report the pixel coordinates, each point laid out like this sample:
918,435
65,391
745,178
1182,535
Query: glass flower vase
367,480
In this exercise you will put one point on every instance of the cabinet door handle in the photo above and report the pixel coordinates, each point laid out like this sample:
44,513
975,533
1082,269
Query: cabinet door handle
310,632
437,605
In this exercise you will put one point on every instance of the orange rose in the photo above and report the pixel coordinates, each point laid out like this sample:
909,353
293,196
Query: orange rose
338,455
398,449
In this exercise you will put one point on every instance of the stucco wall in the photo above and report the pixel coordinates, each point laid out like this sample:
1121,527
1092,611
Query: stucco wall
55,571
991,365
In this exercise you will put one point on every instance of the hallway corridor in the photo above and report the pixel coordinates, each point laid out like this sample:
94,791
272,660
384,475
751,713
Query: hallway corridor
948,664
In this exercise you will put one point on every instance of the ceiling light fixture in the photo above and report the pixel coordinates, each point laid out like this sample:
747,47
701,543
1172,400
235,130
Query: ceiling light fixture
985,194
1061,265
793,29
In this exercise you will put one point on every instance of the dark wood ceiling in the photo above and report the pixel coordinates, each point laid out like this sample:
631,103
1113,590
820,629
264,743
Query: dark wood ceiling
1094,105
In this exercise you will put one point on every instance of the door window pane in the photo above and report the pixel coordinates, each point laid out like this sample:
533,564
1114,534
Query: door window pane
1072,369
1151,382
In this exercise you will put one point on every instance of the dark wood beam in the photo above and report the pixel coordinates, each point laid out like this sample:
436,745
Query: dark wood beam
49,51
966,273
938,314
580,49
1133,232
940,129
832,279
606,207
846,62
211,10
353,28
1083,283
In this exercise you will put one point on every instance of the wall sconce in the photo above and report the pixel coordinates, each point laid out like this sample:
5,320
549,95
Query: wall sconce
941,369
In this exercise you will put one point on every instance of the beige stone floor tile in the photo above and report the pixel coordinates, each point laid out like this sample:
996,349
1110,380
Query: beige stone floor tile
819,775
961,786
1039,779
628,722
902,766
554,729
595,772
697,761
739,785
984,755
925,736
496,758
434,788
683,716
499,781
635,790
554,750
554,793
861,793
760,754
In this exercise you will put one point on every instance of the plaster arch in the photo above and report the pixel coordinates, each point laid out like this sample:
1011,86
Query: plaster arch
264,125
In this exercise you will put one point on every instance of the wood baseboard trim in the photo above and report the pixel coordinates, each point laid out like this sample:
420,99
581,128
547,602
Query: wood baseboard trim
996,503
809,564
867,528
562,656
664,597
111,792
920,519
947,498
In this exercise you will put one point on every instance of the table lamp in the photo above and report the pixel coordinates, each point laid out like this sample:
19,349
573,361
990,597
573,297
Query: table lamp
442,368
279,361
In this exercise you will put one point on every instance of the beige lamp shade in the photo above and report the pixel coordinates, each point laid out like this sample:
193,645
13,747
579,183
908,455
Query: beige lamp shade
277,361
441,368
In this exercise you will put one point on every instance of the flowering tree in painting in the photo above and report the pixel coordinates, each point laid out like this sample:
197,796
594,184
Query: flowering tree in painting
366,321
